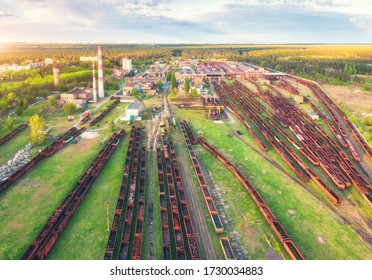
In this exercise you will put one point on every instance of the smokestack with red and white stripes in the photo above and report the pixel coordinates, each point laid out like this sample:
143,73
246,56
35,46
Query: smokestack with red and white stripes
101,92
94,84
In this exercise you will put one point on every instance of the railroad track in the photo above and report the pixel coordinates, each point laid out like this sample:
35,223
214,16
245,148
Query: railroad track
200,224
57,145
104,113
276,226
341,212
13,133
57,223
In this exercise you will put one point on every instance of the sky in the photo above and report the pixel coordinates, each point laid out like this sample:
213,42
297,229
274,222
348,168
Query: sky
181,21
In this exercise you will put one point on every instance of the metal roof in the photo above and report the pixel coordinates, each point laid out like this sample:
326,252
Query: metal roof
135,106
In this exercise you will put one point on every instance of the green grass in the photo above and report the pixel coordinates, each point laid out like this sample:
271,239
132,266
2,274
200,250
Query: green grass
9,148
26,206
86,235
311,220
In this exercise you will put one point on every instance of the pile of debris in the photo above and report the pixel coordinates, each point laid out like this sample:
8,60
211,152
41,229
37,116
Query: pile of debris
20,159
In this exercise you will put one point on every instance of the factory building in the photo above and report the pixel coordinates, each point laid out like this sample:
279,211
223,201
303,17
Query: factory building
77,96
127,64
314,116
133,111
48,61
88,58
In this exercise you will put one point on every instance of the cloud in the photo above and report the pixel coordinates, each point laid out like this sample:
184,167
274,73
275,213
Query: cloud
228,21
5,14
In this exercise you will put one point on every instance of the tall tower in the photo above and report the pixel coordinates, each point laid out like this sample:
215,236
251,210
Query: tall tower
94,84
101,92
127,64
56,75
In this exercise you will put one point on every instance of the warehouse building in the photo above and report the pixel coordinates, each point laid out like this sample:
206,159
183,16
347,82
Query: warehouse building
133,111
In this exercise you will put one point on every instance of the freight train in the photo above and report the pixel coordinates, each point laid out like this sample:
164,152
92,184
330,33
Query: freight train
48,236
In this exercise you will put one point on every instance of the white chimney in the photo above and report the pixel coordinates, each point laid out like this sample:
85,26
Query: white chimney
94,84
101,92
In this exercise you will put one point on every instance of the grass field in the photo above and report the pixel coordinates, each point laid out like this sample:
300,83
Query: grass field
26,206
316,231
86,235
9,148
352,96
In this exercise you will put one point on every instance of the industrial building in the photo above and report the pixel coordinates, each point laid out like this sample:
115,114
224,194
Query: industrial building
88,58
314,116
133,111
77,96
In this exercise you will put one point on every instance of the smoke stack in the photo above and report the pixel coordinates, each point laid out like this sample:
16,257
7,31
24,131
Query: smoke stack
56,75
94,84
101,92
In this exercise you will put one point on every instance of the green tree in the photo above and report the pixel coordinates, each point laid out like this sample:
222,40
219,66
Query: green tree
69,108
52,101
353,119
367,136
135,92
9,123
159,83
174,92
19,110
169,76
37,126
194,93
10,97
173,80
187,85
364,121
370,121
25,103
360,129
111,125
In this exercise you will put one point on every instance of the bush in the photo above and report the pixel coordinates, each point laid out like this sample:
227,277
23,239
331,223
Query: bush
69,108
9,123
367,88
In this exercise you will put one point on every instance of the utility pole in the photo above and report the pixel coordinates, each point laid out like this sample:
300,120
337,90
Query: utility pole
107,215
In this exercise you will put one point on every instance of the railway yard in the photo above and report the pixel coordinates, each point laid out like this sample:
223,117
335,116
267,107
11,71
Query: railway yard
248,175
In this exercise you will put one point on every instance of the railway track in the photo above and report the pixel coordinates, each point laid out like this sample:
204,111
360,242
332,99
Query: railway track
208,199
104,113
200,224
13,133
122,201
47,152
342,213
278,229
57,223
127,246
180,198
